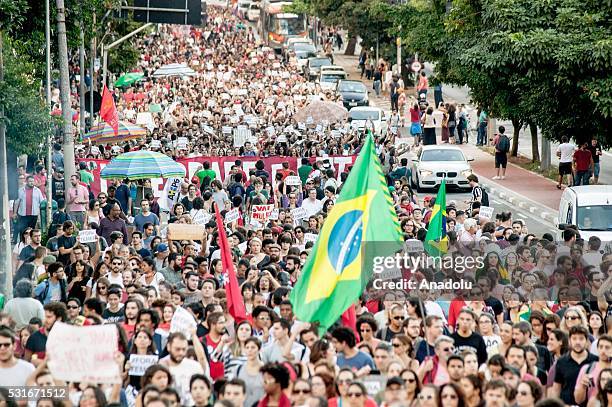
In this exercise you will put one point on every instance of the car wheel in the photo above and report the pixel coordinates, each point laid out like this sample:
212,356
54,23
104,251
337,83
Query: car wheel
418,186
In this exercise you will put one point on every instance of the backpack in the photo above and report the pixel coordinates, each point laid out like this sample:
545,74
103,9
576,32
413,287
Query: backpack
503,144
484,200
42,296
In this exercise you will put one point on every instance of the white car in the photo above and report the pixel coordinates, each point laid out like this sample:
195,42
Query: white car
253,12
437,162
368,118
243,7
589,209
330,75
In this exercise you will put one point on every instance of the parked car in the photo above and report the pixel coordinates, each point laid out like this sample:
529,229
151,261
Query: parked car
329,75
368,118
291,41
313,67
434,163
352,93
253,12
589,209
243,6
303,51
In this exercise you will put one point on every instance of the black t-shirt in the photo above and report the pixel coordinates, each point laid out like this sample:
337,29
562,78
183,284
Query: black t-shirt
566,374
58,188
113,317
473,342
37,344
594,151
386,334
27,253
496,304
67,242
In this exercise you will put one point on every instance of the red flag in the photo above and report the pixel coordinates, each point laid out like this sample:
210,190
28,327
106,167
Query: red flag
108,111
349,320
235,302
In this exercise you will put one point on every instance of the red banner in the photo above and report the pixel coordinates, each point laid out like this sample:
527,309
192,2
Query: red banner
221,165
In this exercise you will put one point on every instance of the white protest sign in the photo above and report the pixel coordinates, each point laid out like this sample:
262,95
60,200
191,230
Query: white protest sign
208,129
299,213
271,130
201,218
413,246
256,224
83,353
241,135
140,363
374,384
181,143
302,126
486,212
182,321
226,130
95,150
310,237
155,143
242,246
232,215
293,180
262,212
87,236
170,194
146,119
274,214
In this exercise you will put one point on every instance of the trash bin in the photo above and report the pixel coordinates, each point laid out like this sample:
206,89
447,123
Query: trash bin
44,222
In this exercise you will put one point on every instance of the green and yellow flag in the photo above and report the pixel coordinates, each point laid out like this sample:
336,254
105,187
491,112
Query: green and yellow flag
436,241
334,275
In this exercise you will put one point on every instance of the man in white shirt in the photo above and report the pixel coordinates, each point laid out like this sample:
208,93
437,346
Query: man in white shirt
565,152
13,371
312,204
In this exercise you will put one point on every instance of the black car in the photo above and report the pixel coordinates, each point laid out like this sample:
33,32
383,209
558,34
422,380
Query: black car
352,93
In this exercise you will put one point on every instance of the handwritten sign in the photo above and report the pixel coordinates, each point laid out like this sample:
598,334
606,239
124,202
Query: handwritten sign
201,217
262,212
183,322
232,215
486,212
293,180
243,246
413,246
83,353
87,236
155,143
274,214
140,363
374,384
181,143
310,237
299,213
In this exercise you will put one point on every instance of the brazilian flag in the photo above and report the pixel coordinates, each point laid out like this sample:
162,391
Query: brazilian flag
436,241
335,273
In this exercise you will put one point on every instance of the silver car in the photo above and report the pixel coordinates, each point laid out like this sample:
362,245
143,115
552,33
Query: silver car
436,162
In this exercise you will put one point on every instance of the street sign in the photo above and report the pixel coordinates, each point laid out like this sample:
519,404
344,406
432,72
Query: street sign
416,66
187,12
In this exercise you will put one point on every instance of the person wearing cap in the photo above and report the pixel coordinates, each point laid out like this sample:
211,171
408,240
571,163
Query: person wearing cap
161,252
394,391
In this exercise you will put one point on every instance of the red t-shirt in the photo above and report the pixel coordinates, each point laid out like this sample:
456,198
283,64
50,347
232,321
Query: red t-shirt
216,368
415,115
583,160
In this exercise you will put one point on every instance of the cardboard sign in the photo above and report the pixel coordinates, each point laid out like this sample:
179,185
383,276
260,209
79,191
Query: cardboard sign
83,353
262,212
87,236
232,215
183,322
180,231
140,363
293,180
310,237
486,212
299,213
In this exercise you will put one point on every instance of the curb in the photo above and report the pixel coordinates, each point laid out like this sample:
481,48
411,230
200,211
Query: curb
546,214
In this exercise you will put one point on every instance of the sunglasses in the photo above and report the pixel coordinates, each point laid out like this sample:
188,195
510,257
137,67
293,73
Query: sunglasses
6,345
412,380
396,345
449,349
351,395
573,317
398,318
72,307
523,393
301,391
102,287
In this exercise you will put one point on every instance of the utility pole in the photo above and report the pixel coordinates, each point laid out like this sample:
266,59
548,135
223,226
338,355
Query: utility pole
545,161
69,169
92,69
6,265
82,81
49,191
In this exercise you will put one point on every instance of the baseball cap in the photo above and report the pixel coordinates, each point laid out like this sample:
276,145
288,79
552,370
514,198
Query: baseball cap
162,247
50,259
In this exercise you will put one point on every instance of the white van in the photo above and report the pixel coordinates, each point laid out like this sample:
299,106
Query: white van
588,207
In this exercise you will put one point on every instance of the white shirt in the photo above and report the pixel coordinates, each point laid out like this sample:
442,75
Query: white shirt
312,207
567,152
182,374
157,278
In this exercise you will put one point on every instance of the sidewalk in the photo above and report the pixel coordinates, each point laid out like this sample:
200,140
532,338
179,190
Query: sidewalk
521,187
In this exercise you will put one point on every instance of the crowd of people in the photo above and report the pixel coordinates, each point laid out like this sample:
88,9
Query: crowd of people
527,326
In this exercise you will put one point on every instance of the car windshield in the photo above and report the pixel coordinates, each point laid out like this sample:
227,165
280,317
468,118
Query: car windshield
364,115
318,62
442,155
332,77
595,217
304,54
356,87
304,47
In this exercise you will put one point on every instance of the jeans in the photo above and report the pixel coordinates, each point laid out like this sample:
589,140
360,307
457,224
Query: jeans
582,177
460,134
394,100
377,87
482,134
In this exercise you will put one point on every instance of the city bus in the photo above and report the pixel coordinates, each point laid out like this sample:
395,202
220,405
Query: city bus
277,25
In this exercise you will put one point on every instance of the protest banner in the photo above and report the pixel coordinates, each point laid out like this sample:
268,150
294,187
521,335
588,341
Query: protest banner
241,135
293,180
183,322
486,212
83,353
183,231
232,215
140,363
310,237
170,193
155,144
262,213
87,236
201,217
299,213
